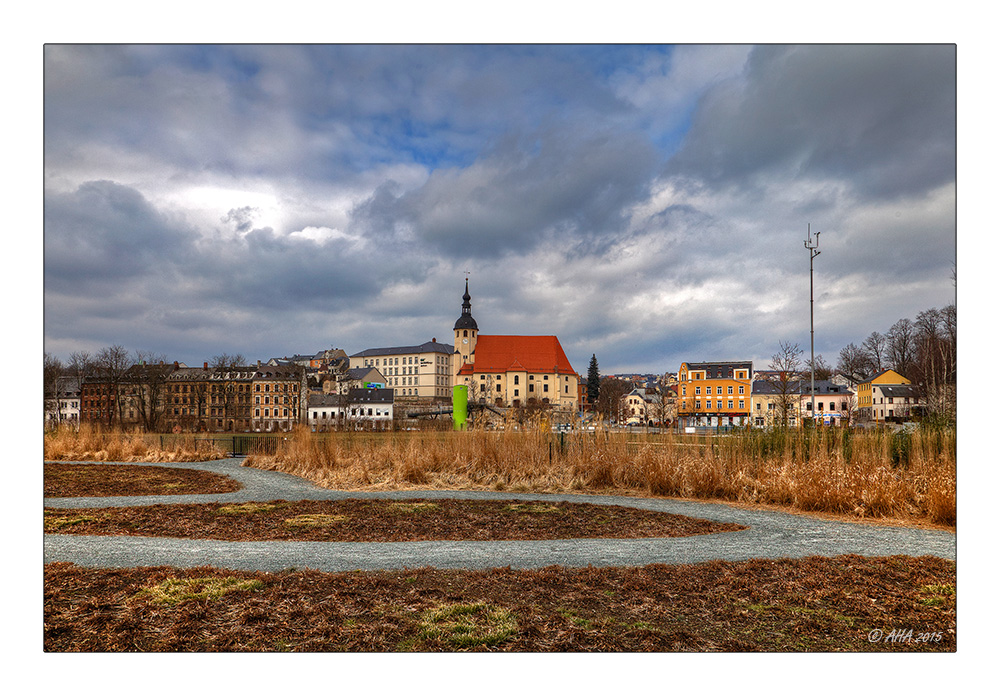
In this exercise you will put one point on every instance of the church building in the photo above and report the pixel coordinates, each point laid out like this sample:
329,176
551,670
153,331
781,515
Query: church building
512,370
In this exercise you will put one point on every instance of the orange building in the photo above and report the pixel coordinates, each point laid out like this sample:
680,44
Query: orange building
714,394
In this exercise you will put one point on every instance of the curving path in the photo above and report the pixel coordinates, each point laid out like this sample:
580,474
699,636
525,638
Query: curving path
770,535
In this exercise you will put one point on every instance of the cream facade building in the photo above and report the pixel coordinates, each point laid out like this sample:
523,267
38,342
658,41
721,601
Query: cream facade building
513,371
424,371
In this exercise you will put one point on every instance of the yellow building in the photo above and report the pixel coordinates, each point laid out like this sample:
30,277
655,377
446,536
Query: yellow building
871,400
714,394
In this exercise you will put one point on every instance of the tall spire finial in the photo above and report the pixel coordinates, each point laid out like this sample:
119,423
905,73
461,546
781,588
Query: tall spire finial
466,321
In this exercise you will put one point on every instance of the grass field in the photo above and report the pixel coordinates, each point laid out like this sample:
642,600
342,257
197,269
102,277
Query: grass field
91,444
855,473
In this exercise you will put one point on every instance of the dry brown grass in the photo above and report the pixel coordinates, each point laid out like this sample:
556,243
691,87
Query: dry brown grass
92,444
863,474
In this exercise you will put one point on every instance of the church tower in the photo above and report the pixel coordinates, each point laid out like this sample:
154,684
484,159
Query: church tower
466,330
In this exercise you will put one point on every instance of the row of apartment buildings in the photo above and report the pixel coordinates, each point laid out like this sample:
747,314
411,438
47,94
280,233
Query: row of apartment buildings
275,397
733,394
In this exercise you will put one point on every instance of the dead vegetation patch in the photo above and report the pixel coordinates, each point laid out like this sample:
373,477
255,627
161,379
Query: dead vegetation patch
806,605
380,520
75,479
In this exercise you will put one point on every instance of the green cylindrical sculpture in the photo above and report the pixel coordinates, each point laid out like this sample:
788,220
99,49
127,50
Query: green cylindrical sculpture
459,406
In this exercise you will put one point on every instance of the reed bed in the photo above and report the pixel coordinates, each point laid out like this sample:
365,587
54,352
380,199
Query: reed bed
92,444
863,474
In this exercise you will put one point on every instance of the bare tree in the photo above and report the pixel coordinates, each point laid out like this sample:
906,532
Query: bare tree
52,372
934,363
901,346
610,396
147,386
663,406
112,363
853,364
875,350
225,361
786,379
949,328
822,368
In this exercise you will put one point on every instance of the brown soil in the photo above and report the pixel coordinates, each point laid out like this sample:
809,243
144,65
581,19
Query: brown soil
814,604
380,520
72,480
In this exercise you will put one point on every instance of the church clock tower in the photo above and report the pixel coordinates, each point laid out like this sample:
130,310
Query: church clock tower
466,330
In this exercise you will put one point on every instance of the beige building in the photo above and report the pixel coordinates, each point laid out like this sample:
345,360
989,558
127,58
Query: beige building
421,372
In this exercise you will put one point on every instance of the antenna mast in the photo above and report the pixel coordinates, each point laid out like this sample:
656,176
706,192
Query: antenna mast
813,247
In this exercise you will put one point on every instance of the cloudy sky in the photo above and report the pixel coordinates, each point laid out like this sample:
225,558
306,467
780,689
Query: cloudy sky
647,204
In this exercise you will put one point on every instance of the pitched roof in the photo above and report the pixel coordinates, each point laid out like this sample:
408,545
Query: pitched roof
428,347
899,390
539,354
371,396
724,369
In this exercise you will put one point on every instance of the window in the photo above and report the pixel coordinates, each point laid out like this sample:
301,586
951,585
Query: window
742,405
718,390
697,391
729,405
517,380
741,390
729,390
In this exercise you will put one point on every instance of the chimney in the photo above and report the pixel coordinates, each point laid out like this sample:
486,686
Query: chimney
434,340
206,366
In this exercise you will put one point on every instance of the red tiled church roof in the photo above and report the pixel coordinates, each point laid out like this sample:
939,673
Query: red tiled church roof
541,354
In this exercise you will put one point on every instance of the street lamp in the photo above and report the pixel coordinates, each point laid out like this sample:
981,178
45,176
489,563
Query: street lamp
813,247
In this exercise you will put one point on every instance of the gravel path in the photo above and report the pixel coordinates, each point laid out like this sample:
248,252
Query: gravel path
770,535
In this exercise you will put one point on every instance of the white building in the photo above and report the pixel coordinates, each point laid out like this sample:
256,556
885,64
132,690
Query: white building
357,409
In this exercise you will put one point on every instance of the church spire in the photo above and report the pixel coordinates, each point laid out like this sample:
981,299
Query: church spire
466,321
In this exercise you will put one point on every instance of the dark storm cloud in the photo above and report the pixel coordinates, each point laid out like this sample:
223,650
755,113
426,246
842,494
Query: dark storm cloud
105,233
881,119
553,183
114,263
318,111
